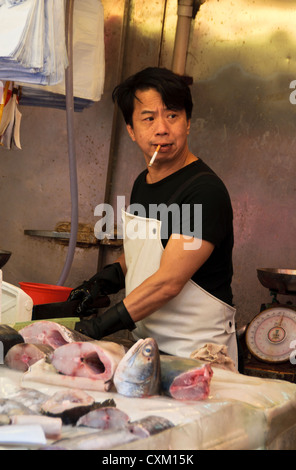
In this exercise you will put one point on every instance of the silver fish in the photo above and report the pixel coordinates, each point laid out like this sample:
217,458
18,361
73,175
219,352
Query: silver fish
150,425
12,407
31,398
138,373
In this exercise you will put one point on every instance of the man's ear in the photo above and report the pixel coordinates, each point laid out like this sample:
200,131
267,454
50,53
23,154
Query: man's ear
188,126
131,132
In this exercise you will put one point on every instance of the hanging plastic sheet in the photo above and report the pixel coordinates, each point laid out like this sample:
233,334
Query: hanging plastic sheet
32,41
88,62
33,51
88,51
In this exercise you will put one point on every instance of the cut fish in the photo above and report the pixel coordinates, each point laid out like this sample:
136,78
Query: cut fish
95,359
51,333
104,418
22,356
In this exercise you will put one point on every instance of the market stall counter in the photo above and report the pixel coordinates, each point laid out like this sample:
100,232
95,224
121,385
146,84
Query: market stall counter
240,412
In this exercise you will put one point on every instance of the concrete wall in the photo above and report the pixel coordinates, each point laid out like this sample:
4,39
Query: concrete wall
242,60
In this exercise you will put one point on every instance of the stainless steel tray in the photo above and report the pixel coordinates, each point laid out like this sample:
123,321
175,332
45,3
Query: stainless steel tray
282,281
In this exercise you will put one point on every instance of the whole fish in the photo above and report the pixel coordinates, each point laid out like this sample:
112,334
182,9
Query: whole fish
96,360
51,333
21,356
184,378
138,373
8,338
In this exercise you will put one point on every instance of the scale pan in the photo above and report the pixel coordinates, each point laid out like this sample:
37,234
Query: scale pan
282,281
4,257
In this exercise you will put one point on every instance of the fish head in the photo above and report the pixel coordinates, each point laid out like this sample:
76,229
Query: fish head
139,371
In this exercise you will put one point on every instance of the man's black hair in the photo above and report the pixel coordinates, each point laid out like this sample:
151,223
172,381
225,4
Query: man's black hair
174,91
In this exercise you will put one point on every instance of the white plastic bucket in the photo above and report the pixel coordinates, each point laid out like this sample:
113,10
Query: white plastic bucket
16,305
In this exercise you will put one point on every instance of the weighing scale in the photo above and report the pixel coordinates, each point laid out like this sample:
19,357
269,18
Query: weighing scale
269,340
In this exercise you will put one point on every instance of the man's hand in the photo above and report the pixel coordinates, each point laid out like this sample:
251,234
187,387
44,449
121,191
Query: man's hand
115,319
94,292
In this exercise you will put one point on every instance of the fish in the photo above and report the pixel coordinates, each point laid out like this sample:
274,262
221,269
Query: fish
12,407
96,440
8,338
18,413
150,425
184,378
138,373
30,398
106,417
21,356
71,405
64,400
51,333
113,436
96,360
44,372
52,427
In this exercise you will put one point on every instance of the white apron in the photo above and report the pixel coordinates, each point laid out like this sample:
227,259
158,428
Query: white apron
188,321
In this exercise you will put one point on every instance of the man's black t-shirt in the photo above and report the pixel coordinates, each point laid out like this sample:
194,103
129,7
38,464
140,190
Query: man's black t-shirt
206,190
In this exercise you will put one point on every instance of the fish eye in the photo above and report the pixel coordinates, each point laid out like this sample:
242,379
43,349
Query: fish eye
147,351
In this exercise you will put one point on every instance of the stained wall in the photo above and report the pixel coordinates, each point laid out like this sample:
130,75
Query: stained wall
241,58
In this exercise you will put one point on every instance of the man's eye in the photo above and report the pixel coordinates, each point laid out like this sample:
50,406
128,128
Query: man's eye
149,118
172,115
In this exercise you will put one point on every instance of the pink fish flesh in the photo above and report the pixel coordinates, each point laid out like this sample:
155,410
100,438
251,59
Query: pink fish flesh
70,405
184,378
66,399
94,360
23,355
104,418
43,372
51,333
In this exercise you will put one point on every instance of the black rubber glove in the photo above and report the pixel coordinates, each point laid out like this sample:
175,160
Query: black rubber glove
115,319
108,281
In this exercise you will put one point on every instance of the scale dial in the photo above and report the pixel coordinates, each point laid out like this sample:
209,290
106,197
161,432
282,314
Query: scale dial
270,334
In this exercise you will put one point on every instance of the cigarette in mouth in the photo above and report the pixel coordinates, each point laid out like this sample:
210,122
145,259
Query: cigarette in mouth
154,155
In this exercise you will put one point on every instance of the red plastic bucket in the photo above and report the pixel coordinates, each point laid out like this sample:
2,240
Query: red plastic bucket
45,293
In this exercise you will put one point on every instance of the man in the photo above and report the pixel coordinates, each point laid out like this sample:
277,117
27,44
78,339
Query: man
177,275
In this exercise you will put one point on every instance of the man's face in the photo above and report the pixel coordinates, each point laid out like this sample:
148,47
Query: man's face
154,124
